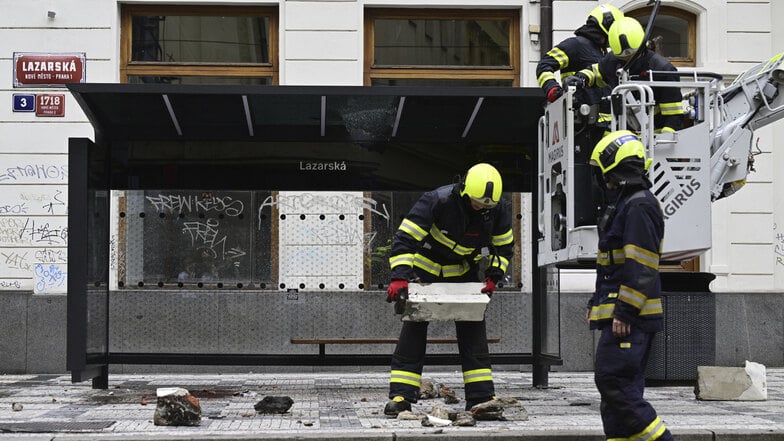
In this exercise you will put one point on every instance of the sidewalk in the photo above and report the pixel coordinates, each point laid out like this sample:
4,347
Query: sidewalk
337,406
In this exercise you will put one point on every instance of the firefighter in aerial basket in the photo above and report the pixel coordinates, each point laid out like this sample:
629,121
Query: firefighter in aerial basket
626,306
444,238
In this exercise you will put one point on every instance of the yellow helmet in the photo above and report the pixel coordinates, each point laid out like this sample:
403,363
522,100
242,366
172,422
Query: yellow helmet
604,16
626,36
483,185
617,147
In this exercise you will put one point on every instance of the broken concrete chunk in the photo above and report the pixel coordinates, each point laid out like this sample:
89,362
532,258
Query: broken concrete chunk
449,395
445,302
715,383
427,390
464,419
432,421
270,404
488,411
408,415
439,411
176,407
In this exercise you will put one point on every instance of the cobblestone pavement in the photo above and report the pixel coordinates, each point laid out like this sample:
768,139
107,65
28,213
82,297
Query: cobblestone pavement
349,406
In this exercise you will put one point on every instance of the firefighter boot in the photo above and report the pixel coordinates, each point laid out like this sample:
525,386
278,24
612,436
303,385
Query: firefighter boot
396,405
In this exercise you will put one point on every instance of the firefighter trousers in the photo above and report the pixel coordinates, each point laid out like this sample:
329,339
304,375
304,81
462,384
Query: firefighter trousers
409,357
619,374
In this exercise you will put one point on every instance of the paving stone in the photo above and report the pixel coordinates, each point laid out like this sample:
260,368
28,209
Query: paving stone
348,406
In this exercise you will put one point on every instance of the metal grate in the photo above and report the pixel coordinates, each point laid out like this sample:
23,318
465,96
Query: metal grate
54,426
688,339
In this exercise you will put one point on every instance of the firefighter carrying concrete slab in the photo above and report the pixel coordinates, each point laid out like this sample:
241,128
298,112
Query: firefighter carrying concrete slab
445,236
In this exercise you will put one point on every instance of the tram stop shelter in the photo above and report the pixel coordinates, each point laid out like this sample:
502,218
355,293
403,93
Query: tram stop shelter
175,167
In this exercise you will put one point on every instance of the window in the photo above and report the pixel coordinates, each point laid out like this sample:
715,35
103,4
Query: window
442,47
674,33
199,44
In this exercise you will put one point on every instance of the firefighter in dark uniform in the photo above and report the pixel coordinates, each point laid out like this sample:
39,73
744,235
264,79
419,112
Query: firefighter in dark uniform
587,47
625,37
626,306
444,238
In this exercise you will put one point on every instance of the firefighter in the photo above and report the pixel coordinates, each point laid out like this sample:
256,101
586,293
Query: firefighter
587,47
445,237
626,37
626,307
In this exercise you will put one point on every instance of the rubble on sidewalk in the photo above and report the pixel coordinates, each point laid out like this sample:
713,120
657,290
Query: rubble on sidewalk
176,407
715,383
270,404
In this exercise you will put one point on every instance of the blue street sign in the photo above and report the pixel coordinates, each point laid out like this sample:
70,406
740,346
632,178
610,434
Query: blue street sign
24,102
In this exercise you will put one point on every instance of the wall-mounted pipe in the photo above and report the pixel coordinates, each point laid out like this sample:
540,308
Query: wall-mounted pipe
546,26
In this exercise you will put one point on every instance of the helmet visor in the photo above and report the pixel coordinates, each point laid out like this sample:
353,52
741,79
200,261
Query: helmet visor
482,203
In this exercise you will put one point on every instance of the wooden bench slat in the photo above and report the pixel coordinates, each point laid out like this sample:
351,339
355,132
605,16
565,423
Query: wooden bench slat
364,341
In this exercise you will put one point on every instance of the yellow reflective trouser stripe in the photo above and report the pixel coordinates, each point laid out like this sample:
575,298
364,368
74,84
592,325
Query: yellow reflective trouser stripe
604,117
671,108
559,55
653,432
605,311
545,77
476,375
436,233
405,377
412,229
503,239
632,296
437,269
603,257
499,262
401,259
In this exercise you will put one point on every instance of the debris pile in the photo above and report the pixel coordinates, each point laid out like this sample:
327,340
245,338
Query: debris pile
176,407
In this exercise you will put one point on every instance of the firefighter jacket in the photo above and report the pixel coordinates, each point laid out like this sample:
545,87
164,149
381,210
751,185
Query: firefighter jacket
569,57
669,106
443,236
628,286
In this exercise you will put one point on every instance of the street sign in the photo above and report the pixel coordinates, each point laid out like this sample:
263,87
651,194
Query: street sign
48,70
50,105
24,102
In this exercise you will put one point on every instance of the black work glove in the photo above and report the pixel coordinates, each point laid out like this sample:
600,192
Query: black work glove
578,80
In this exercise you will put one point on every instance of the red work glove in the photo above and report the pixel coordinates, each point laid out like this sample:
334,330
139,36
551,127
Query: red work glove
554,93
394,289
489,287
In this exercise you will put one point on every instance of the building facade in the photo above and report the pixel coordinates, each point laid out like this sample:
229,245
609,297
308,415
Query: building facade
373,43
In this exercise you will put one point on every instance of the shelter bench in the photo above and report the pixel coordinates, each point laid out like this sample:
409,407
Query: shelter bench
323,342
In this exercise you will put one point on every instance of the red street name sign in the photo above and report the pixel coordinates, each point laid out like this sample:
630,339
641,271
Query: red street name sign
50,105
48,70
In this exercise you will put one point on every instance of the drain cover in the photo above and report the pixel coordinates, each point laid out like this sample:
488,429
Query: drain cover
55,426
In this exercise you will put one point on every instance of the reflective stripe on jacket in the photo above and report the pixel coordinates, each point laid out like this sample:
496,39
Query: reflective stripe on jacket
669,106
628,286
443,236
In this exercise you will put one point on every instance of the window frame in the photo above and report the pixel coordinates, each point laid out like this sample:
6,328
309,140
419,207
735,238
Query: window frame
196,69
691,19
512,73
